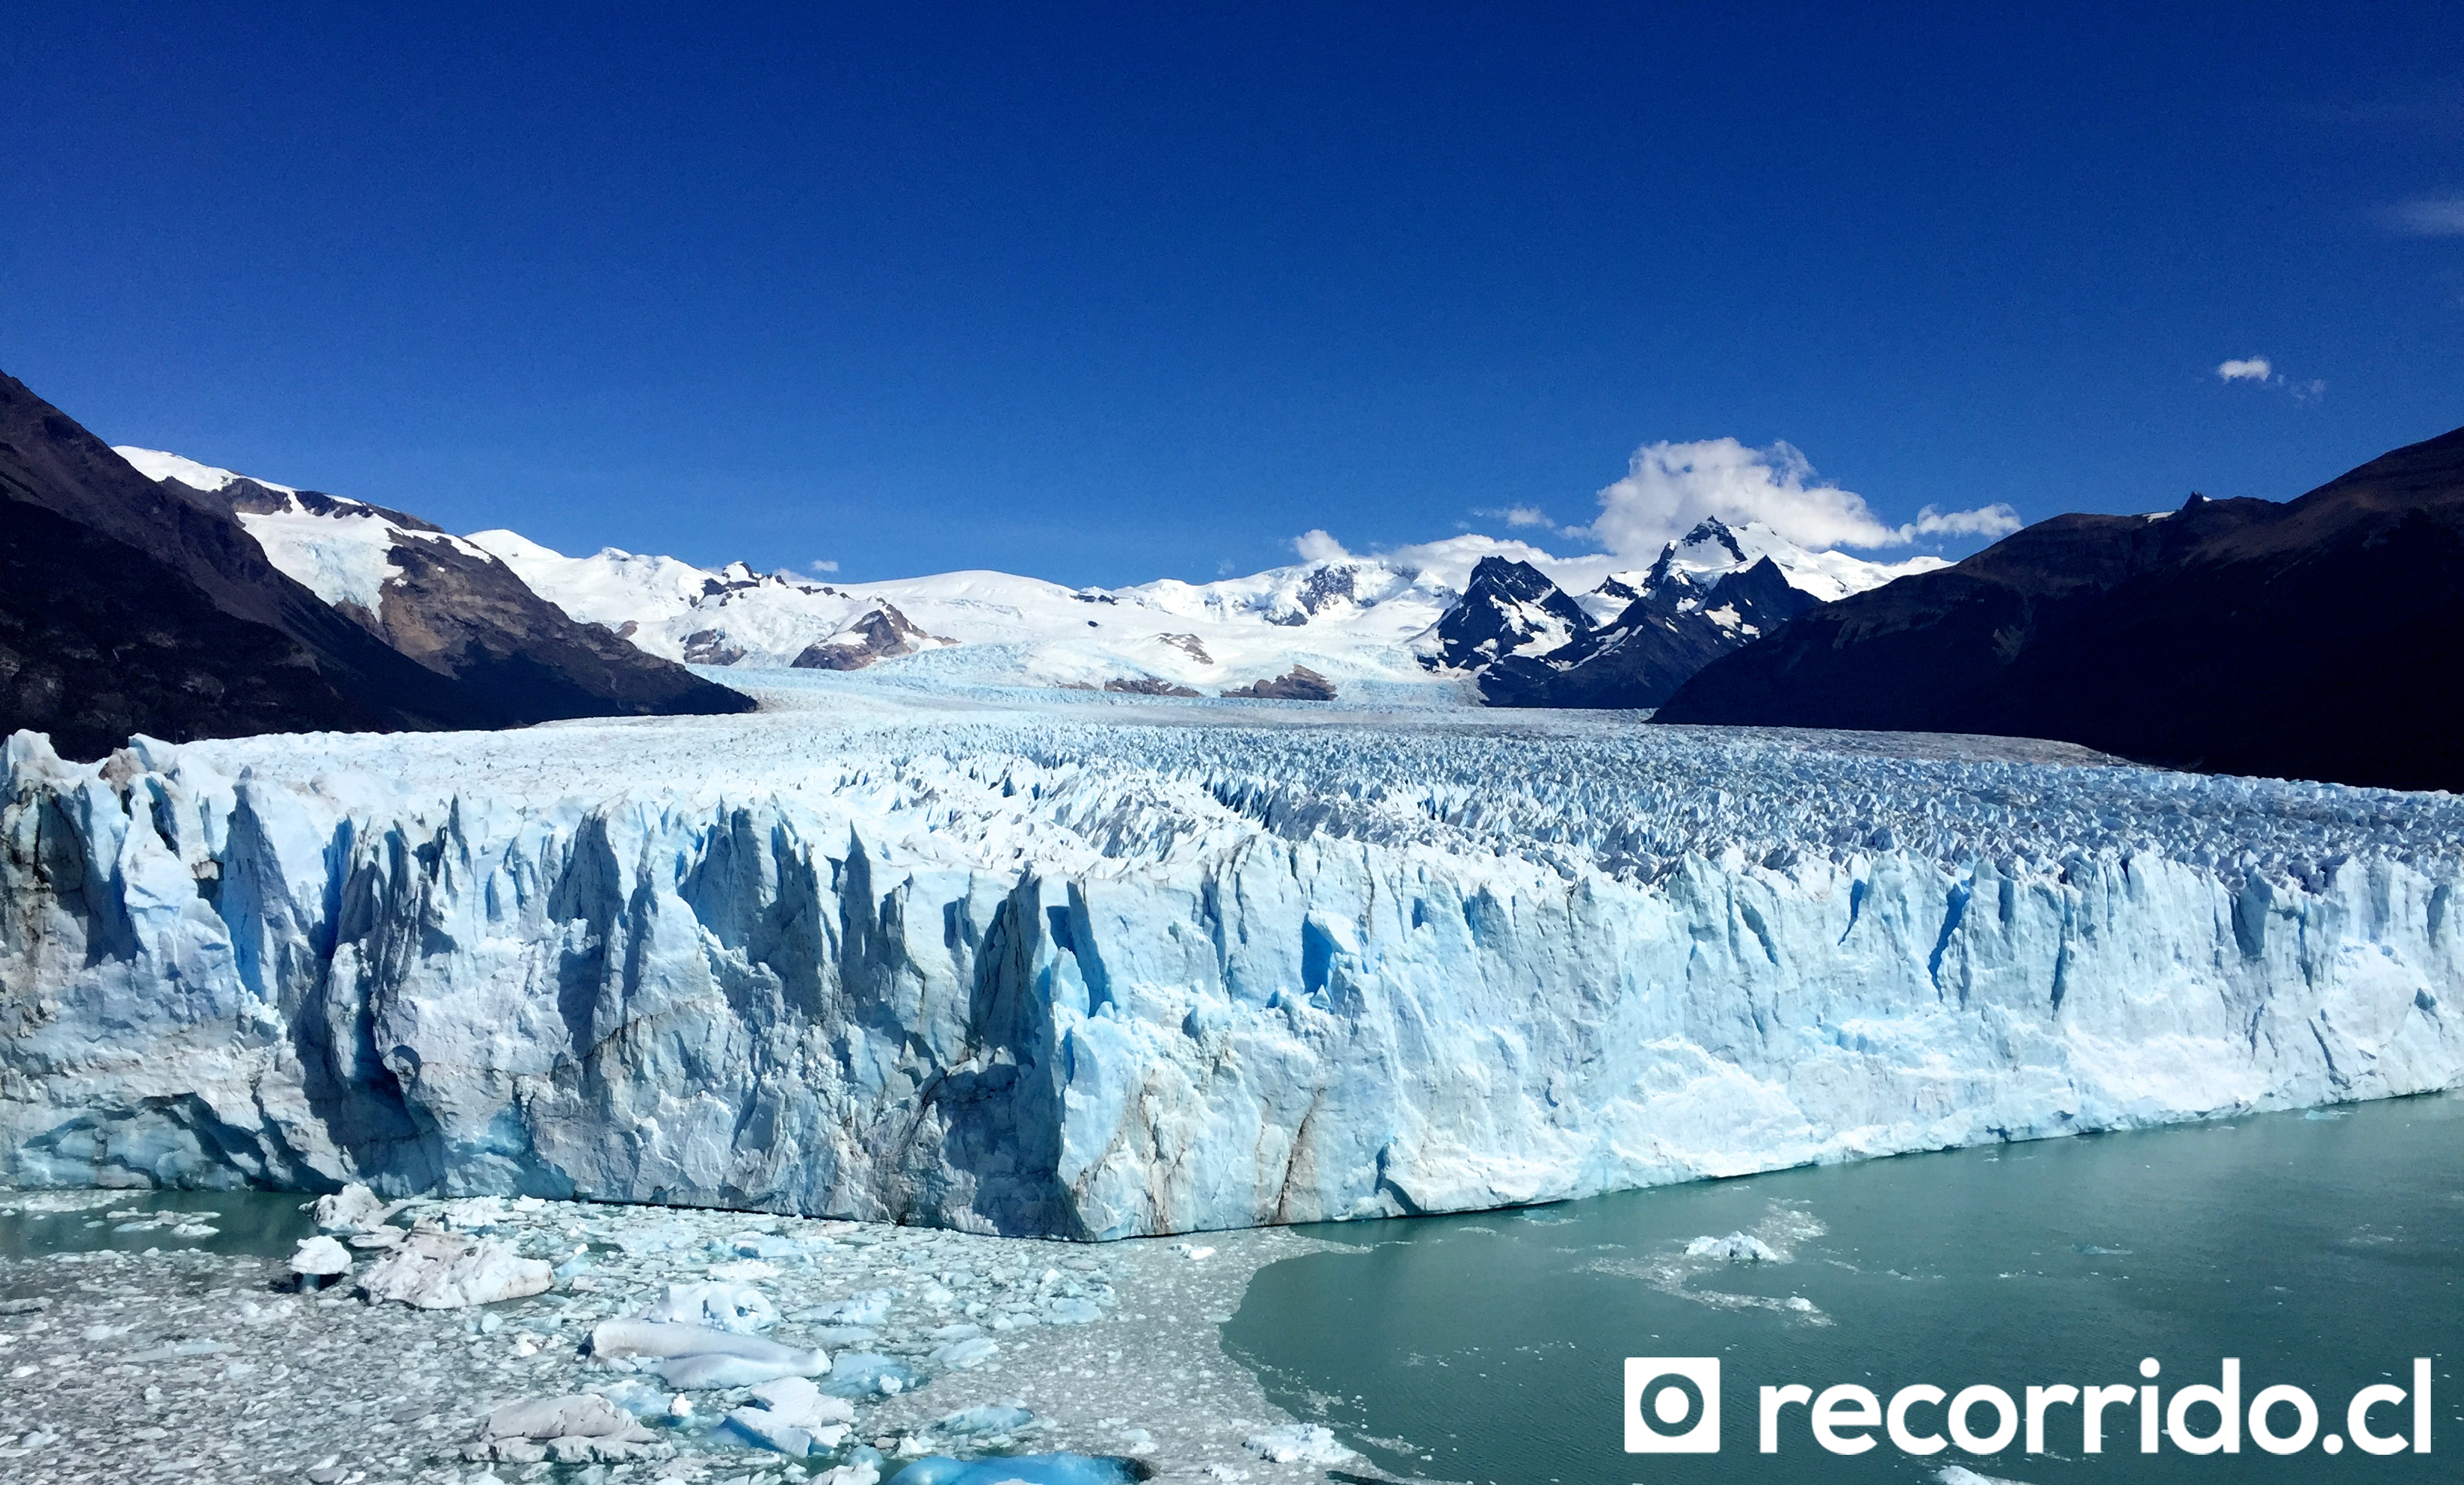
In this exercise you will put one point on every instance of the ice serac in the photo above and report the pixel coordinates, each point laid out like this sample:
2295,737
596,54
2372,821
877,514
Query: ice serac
1036,977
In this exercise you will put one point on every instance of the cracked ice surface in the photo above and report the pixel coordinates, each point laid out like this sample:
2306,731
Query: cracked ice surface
1096,971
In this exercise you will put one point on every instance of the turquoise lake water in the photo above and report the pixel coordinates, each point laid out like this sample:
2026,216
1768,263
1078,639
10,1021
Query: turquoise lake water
2323,1250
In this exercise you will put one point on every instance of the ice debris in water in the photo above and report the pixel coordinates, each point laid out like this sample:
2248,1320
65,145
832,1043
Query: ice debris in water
581,1428
1298,1443
439,1271
793,1417
739,1308
866,1374
1735,1248
696,1357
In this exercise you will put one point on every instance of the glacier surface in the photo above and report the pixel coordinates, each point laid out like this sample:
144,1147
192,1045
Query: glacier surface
1102,966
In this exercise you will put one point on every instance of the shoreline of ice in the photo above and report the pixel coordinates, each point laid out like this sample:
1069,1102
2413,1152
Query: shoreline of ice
1103,969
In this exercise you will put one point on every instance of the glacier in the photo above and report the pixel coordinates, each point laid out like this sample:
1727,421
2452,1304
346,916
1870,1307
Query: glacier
1096,967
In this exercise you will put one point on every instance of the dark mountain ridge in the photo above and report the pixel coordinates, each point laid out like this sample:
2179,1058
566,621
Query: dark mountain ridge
2319,638
130,607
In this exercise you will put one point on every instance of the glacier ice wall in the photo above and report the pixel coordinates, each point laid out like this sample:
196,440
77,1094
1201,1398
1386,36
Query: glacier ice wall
1033,976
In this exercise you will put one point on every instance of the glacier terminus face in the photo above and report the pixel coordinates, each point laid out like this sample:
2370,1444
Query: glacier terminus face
1100,966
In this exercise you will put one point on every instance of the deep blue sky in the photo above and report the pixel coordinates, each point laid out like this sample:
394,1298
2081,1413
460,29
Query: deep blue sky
1104,296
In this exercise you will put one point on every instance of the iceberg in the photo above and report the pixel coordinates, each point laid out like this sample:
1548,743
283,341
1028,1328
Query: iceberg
1028,968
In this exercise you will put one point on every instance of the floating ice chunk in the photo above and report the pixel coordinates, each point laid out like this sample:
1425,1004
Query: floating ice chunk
354,1208
1960,1474
1071,1312
988,1419
473,1213
579,1429
865,1374
321,1257
697,1357
1297,1443
635,1396
964,1355
798,1401
1735,1248
739,1308
795,1440
1193,1250
443,1271
870,1308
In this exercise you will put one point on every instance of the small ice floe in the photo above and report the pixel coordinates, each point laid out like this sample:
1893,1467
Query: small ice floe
636,1396
793,1417
354,1208
180,1224
868,1374
2093,1252
737,1307
179,1349
319,1259
869,1310
696,1357
445,1271
1071,1312
1193,1250
1960,1474
1735,1248
963,1355
1298,1443
579,1429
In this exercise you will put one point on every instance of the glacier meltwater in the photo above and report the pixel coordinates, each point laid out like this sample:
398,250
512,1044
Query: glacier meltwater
1096,967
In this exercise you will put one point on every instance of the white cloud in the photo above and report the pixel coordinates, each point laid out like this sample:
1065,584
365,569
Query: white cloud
824,564
1518,516
2259,372
1670,487
1316,545
2430,216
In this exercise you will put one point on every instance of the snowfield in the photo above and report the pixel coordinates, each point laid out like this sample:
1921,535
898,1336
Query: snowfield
1094,966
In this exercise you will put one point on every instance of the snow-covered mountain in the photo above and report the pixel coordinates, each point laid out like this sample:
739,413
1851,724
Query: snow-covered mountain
443,602
342,549
1636,638
1349,618
1425,620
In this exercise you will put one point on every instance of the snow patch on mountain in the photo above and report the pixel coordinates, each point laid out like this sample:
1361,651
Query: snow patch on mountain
157,465
1349,618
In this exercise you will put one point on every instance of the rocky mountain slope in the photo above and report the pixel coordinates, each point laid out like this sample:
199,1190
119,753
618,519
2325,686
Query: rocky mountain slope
1631,641
445,603
128,609
2321,638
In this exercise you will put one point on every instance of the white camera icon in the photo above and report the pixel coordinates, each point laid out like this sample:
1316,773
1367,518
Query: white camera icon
1672,1405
